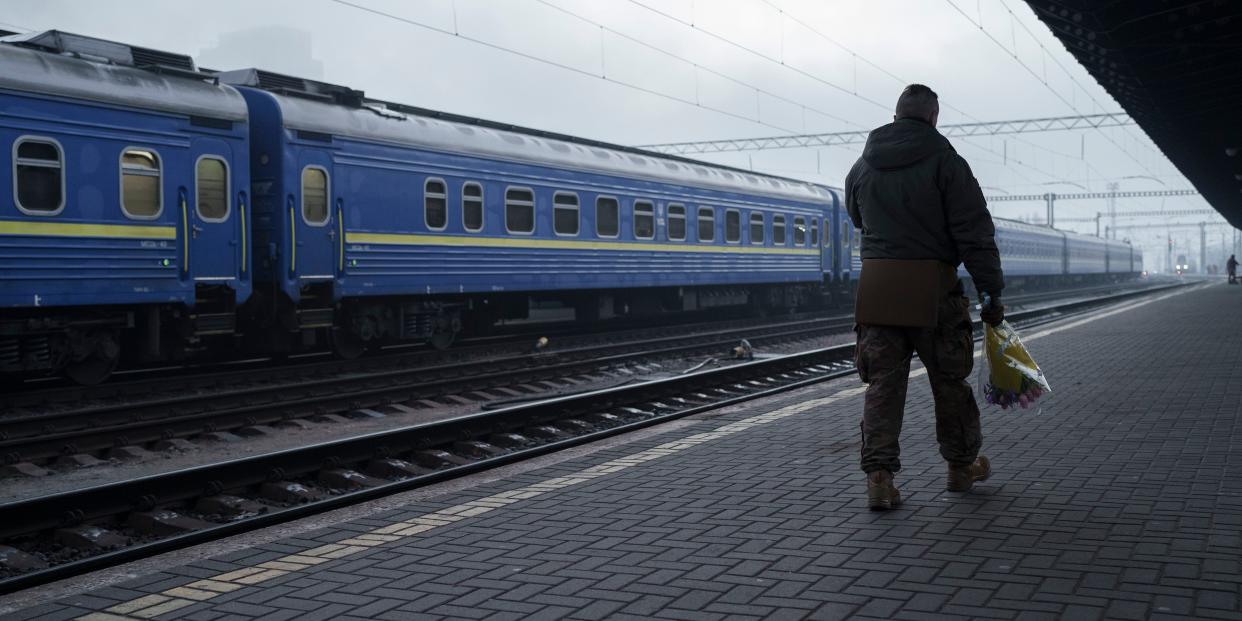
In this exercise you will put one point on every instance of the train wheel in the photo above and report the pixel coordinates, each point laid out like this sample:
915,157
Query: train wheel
93,357
442,339
346,344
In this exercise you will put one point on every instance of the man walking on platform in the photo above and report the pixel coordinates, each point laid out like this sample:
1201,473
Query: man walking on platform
1231,267
922,214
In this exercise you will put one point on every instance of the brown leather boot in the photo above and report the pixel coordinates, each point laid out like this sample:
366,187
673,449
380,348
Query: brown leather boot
962,478
882,495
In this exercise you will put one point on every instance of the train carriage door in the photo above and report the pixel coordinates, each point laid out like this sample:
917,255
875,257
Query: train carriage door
825,245
316,238
207,211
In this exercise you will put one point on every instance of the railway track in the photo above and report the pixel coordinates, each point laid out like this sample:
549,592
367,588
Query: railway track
218,407
85,433
56,536
45,393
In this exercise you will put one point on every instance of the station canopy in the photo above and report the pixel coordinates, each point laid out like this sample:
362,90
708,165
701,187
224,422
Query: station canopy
1176,67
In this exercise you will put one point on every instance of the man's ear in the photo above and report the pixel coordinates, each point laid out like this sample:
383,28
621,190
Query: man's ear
935,117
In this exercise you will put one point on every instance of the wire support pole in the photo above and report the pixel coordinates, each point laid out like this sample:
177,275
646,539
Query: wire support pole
959,130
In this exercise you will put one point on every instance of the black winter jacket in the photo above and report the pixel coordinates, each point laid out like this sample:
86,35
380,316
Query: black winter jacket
914,197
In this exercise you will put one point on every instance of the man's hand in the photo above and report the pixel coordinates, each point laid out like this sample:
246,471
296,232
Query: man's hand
992,311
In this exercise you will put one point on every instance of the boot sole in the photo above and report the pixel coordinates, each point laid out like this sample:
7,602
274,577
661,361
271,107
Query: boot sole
883,504
987,474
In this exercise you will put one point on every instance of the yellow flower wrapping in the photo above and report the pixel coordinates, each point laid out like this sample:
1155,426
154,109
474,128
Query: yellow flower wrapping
1008,360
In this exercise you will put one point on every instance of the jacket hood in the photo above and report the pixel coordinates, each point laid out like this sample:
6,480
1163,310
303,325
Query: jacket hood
903,143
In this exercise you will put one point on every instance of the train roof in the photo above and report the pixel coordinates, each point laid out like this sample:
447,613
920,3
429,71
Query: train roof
314,106
1039,229
63,64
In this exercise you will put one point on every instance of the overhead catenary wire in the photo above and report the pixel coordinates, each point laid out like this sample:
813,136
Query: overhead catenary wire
1042,80
697,66
556,64
1014,18
692,24
758,54
903,81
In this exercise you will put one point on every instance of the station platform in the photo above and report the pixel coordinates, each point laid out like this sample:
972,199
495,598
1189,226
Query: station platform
1121,498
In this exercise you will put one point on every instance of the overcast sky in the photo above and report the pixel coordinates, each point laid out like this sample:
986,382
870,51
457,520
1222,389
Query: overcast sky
652,71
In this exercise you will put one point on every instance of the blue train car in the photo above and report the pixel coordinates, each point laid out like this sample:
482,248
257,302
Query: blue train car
127,171
392,223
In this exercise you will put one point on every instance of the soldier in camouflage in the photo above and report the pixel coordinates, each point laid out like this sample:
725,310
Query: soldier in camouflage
916,199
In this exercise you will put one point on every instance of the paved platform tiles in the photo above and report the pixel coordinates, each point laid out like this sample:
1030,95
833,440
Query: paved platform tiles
1121,499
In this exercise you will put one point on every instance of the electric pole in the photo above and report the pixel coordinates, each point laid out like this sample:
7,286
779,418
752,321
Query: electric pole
1112,206
1203,247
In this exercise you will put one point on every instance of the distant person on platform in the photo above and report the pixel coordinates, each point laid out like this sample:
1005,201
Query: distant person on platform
1231,267
922,214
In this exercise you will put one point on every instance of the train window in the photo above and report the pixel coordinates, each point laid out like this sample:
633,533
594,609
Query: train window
435,204
814,232
676,222
799,231
733,226
140,184
756,228
519,210
211,189
39,175
607,217
565,213
778,230
314,195
707,224
644,220
472,207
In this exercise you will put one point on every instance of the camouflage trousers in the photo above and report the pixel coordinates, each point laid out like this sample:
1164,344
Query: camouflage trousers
947,351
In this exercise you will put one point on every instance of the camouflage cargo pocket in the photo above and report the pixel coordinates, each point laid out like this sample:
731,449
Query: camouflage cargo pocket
955,345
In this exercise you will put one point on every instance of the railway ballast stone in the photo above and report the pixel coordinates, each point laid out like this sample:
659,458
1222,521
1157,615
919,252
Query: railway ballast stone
15,560
477,448
331,418
89,537
164,522
130,453
394,469
23,469
77,461
220,436
435,458
225,505
289,492
175,444
345,479
509,440
253,431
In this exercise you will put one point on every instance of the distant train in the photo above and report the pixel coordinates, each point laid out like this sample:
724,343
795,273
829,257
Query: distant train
159,211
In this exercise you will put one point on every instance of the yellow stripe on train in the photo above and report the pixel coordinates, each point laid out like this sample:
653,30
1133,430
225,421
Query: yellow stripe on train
406,239
75,229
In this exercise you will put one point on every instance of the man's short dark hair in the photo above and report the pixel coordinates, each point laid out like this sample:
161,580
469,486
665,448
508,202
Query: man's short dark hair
917,101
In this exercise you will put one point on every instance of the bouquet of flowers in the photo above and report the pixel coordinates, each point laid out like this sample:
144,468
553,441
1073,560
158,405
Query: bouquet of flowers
1013,378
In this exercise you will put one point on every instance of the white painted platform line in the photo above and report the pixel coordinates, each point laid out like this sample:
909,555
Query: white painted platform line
150,606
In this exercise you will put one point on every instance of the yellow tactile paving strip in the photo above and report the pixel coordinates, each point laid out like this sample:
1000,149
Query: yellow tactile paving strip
168,600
